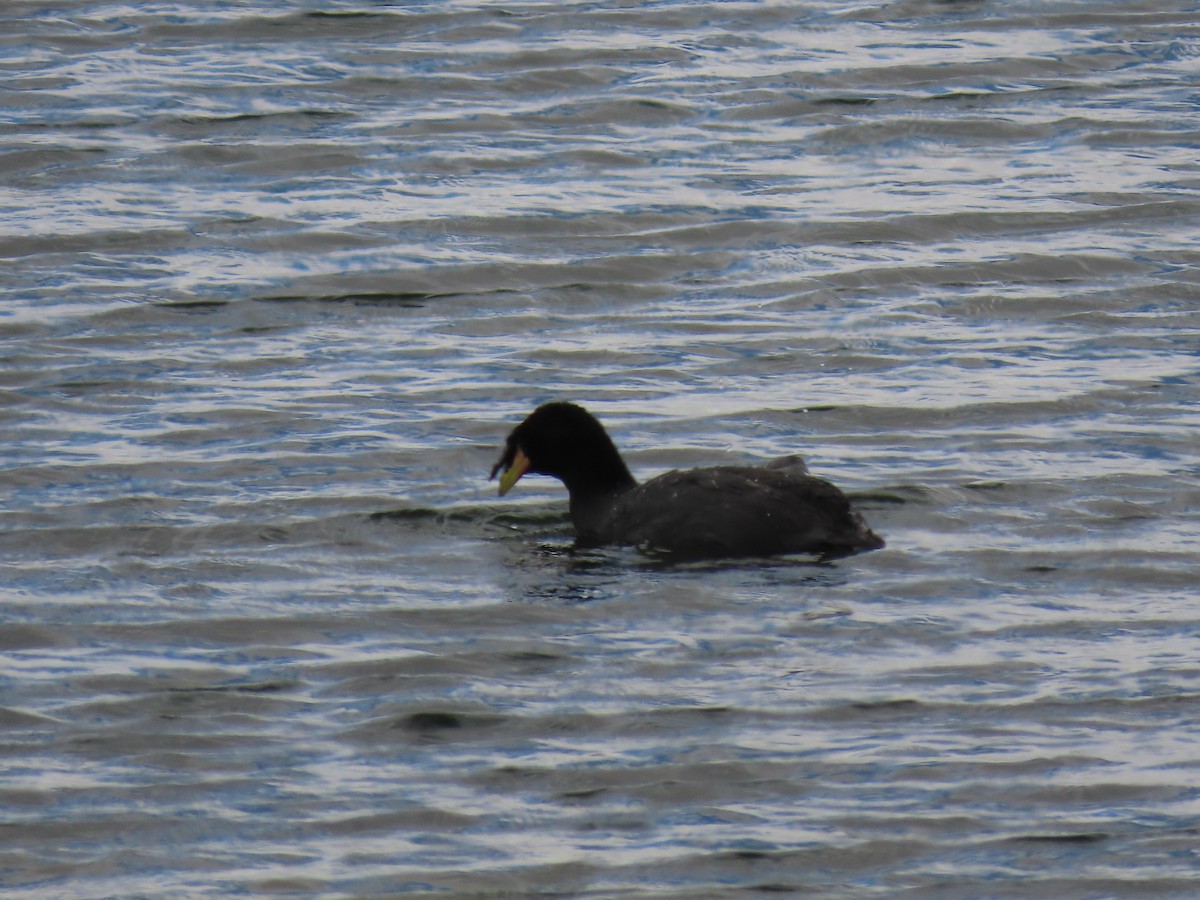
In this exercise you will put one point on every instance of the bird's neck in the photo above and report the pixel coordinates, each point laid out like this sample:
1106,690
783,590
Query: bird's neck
593,497
600,482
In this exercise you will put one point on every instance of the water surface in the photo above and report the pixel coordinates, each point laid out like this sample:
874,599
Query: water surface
278,280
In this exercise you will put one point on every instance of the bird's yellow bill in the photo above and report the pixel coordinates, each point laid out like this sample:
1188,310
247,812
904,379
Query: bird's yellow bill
520,465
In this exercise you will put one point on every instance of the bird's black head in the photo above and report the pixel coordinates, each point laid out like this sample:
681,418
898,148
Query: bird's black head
566,441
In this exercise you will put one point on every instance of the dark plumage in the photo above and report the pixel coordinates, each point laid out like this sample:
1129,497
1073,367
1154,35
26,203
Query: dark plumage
724,511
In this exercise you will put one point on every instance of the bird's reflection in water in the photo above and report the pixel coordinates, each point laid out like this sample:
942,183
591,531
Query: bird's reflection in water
559,571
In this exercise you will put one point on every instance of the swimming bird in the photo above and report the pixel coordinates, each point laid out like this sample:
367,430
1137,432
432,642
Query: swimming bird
723,511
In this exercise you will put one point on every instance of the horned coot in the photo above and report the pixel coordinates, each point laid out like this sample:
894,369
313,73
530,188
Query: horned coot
724,511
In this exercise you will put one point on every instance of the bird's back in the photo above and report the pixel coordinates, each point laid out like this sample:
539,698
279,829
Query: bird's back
737,511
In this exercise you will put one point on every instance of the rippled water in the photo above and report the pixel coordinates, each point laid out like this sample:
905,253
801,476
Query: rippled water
278,280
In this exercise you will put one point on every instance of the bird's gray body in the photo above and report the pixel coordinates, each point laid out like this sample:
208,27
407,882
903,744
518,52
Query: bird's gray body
729,511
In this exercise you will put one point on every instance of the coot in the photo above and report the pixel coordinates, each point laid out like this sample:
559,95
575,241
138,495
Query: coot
724,511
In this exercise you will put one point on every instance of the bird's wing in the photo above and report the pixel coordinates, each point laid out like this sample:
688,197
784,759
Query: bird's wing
730,511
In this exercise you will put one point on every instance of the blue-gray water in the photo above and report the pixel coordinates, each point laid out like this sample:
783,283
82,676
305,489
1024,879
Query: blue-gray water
277,280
